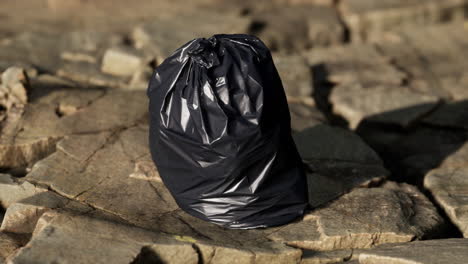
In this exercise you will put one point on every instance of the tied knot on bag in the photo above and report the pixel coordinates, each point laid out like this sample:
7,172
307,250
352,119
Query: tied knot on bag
204,52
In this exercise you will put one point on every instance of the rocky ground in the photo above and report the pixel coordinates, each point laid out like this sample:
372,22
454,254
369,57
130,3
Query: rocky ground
378,94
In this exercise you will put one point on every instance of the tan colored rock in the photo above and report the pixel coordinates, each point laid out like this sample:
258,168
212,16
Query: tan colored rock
12,190
165,253
92,168
297,27
89,73
449,186
311,2
121,62
45,48
435,68
140,79
369,20
74,56
68,238
418,252
364,218
163,36
326,257
367,86
353,64
22,216
57,111
380,103
304,115
295,74
14,86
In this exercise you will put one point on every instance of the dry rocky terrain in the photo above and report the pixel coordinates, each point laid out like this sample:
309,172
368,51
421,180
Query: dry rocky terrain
378,95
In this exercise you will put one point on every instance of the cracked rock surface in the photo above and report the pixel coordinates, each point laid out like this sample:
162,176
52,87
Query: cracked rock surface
378,113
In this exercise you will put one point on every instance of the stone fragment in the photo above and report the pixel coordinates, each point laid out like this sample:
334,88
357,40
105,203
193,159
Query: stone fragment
14,87
12,190
121,62
22,216
449,186
364,218
338,160
70,238
418,252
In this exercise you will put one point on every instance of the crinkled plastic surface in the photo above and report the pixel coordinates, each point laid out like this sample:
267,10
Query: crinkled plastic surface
220,134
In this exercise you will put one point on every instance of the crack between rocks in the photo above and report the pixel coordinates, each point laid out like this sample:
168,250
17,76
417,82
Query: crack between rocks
212,255
435,85
348,258
156,191
93,208
192,228
198,251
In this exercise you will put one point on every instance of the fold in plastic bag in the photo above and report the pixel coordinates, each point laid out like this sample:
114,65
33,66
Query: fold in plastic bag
220,134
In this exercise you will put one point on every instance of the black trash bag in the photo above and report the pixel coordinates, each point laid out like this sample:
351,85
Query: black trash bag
220,134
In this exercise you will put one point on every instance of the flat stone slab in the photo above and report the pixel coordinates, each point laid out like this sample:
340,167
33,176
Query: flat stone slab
112,172
11,190
369,20
449,186
363,218
327,257
64,238
418,252
46,49
291,28
295,74
67,237
163,36
367,86
396,82
55,111
434,67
